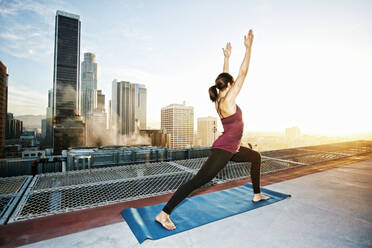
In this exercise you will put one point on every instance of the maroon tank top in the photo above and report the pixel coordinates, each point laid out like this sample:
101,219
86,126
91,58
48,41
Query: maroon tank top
233,132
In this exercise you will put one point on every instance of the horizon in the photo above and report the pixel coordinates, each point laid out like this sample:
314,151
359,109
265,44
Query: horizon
309,67
366,135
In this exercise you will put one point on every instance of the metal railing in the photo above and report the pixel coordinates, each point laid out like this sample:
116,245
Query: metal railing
54,193
11,191
100,158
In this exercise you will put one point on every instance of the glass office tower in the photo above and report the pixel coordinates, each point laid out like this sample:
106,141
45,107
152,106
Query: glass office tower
68,128
66,66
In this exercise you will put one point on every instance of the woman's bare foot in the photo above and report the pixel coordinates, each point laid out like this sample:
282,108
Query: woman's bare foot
259,197
164,220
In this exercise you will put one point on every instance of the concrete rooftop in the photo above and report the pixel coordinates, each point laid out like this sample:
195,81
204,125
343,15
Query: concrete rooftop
330,208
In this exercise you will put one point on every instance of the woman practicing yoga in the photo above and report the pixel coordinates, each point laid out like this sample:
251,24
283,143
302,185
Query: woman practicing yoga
227,146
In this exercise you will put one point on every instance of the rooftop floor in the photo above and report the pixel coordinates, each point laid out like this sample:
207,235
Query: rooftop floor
331,208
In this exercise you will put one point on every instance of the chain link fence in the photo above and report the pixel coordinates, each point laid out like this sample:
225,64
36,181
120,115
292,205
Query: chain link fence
54,193
11,190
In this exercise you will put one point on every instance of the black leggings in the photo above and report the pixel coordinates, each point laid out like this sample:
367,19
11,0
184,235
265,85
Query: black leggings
216,161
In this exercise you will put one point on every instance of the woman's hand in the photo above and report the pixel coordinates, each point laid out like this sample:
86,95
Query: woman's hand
248,39
227,50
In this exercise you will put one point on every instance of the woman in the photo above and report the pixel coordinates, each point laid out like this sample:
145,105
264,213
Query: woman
227,146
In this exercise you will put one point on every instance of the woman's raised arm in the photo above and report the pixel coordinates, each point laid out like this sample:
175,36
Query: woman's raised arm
226,53
236,87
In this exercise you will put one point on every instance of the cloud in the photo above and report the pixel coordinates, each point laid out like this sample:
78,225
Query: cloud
33,43
33,40
13,8
27,42
9,36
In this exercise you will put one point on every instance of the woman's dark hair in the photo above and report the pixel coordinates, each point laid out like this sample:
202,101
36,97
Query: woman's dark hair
222,82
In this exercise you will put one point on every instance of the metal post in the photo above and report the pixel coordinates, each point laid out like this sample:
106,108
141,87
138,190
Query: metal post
133,157
89,161
63,166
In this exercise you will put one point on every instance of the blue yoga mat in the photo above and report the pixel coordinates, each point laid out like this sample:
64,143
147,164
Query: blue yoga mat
196,211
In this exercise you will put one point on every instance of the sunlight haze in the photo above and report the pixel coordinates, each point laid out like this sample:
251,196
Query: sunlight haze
310,67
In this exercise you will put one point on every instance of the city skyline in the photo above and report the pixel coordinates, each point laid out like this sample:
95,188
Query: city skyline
309,65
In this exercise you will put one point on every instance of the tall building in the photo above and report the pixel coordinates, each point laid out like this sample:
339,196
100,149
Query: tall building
97,135
157,137
88,85
66,65
3,105
100,98
140,102
43,129
128,109
109,116
96,122
69,134
206,131
68,128
48,141
13,128
178,121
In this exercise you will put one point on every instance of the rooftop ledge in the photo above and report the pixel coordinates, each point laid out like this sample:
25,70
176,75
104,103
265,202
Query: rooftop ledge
55,204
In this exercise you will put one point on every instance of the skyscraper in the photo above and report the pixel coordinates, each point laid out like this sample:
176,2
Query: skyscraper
68,129
128,108
13,127
109,116
178,121
48,141
97,135
88,85
3,105
66,66
100,98
206,131
96,122
140,103
43,129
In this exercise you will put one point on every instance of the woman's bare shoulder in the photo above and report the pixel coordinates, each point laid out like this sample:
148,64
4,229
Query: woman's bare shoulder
227,107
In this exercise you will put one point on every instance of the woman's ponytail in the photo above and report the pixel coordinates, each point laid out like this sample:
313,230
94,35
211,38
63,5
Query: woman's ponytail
213,93
222,81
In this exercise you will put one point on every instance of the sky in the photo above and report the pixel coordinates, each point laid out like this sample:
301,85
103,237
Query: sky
310,67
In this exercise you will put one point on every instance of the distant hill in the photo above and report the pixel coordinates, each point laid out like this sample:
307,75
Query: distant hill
30,121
